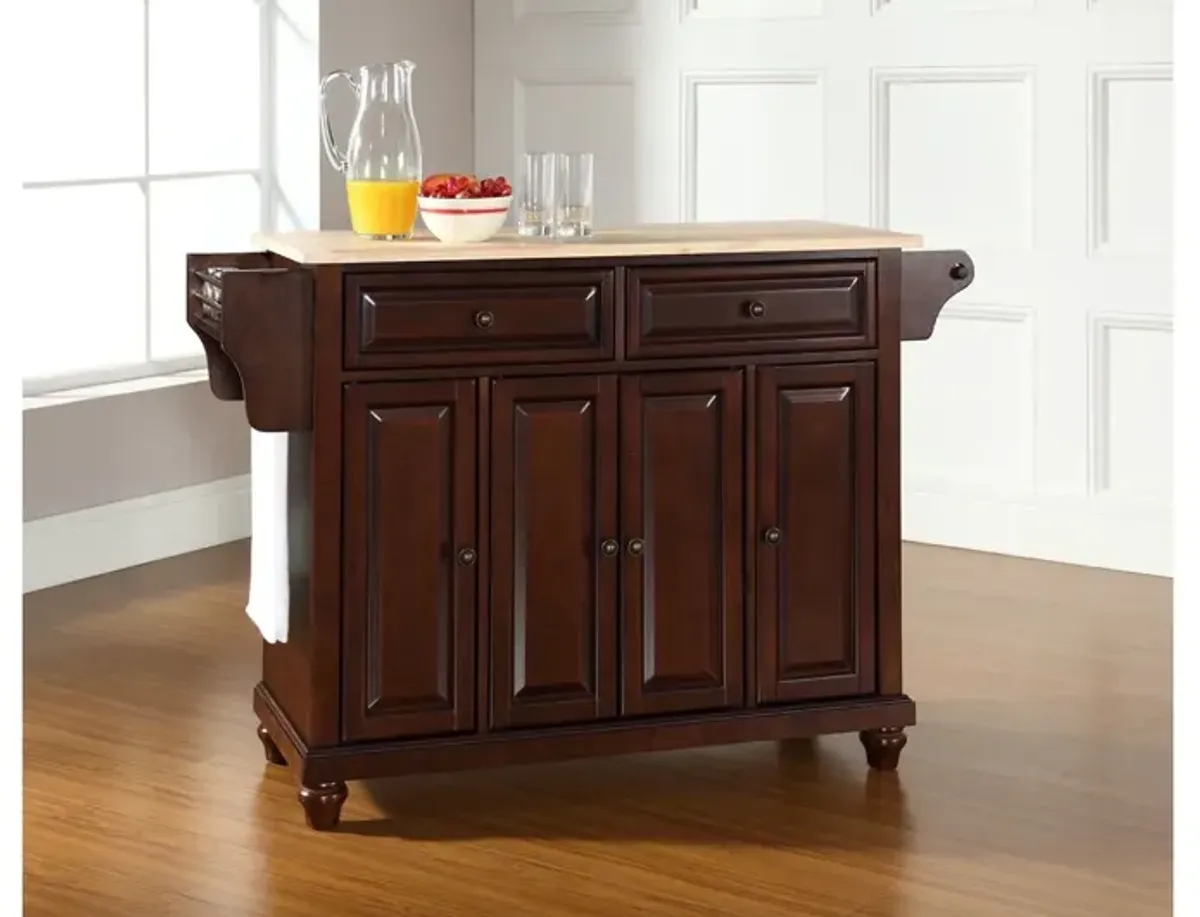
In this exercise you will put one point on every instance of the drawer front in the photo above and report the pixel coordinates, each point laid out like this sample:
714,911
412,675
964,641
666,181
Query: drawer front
751,308
437,319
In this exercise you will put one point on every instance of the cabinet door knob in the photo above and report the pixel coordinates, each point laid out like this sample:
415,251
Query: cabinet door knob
609,547
757,309
772,535
484,320
635,547
467,556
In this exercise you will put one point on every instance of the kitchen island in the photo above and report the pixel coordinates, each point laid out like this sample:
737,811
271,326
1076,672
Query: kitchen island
555,500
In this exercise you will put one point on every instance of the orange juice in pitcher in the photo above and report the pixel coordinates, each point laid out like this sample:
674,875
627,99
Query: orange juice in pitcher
382,161
382,209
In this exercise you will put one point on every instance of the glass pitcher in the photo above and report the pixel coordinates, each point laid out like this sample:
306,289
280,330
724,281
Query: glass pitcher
382,162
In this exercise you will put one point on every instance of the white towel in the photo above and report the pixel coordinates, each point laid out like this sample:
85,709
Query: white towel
269,597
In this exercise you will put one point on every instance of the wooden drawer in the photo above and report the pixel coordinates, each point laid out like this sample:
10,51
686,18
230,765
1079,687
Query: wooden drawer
439,319
751,308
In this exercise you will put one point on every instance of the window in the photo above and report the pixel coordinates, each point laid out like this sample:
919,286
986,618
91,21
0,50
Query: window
145,138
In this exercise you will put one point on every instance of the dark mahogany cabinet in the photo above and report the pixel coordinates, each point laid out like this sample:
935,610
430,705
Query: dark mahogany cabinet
555,505
815,525
682,514
411,563
554,550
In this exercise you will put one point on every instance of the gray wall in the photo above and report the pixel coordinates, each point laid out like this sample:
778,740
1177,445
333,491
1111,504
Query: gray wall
87,453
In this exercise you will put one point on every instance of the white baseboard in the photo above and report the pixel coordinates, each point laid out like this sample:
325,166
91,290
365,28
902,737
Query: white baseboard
1090,533
74,546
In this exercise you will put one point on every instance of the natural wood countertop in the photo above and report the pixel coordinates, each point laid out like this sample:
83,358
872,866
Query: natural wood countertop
343,247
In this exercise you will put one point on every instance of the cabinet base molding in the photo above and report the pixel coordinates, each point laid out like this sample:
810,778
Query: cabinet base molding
319,770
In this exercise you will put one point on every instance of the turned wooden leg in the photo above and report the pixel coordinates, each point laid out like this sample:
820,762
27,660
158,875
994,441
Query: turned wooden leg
274,755
323,804
883,746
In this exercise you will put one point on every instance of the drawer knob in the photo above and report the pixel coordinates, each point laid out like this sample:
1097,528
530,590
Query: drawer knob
757,309
772,536
609,547
467,556
484,320
636,547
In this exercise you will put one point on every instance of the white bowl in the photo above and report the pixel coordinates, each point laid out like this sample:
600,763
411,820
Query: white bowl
459,220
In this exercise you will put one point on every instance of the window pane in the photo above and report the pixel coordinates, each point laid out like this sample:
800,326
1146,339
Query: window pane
90,308
192,215
82,116
204,85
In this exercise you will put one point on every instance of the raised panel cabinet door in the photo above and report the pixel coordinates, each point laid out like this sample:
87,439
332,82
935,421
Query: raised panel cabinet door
816,532
555,553
681,497
411,559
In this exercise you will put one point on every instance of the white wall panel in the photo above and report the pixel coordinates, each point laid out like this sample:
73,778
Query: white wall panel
577,12
1131,160
754,146
753,9
969,402
1132,407
927,7
1127,6
954,157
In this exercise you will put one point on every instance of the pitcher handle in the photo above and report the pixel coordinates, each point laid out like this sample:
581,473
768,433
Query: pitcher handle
336,157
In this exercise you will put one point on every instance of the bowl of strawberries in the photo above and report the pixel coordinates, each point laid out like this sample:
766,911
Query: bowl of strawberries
461,208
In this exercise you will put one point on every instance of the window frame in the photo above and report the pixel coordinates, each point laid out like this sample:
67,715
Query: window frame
264,175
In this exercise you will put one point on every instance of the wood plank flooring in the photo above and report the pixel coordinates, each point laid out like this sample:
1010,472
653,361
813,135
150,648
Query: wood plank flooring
1037,781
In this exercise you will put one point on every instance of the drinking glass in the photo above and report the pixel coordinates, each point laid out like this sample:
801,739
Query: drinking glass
573,217
536,194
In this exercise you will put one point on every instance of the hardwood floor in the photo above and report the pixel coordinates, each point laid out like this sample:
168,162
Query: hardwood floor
1037,781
